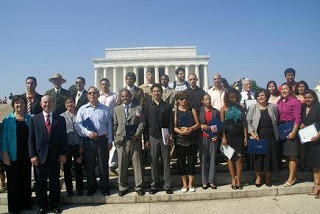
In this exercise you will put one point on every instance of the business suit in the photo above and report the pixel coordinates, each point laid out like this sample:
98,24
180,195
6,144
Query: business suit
58,101
169,95
35,106
83,99
129,148
47,148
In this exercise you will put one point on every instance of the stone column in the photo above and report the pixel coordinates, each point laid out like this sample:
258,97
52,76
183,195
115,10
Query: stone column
156,74
175,76
104,72
166,70
124,76
187,72
135,71
114,80
196,70
145,74
96,80
205,78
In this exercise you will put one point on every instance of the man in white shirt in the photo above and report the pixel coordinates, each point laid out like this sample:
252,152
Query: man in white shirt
246,93
109,99
217,92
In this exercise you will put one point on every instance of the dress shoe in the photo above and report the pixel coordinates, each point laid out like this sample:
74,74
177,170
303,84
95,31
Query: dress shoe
69,194
153,191
42,211
56,210
205,186
269,184
240,187
91,193
169,191
213,186
258,185
123,193
140,192
287,184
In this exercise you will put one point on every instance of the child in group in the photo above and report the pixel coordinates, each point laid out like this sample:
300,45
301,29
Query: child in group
234,133
208,145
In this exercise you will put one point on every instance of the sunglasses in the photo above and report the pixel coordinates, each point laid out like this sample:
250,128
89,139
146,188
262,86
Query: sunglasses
182,98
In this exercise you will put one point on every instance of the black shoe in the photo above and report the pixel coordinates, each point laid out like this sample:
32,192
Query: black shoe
258,185
213,186
169,191
91,193
240,187
153,191
123,193
269,184
42,211
80,193
105,193
140,192
204,187
56,210
69,194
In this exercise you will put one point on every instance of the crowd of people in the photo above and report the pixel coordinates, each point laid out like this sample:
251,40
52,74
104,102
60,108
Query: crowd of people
85,128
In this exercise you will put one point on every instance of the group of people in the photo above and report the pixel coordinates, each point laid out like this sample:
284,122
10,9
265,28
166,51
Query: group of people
109,129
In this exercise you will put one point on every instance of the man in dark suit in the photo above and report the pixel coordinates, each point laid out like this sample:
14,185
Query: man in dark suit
168,93
137,93
59,95
33,98
128,147
47,149
80,97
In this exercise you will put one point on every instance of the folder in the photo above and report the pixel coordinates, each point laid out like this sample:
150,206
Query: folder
88,124
228,151
130,131
216,126
307,133
257,146
284,129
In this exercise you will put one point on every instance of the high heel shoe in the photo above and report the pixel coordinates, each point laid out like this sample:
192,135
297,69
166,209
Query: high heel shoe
315,190
258,185
213,186
240,187
234,187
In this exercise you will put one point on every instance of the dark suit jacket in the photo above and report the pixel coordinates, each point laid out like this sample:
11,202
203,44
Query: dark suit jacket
313,115
82,100
59,101
35,107
137,96
43,146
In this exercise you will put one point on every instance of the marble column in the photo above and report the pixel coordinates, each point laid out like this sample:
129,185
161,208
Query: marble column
175,68
104,72
156,74
166,70
205,78
187,72
96,80
135,71
145,74
124,76
114,80
196,70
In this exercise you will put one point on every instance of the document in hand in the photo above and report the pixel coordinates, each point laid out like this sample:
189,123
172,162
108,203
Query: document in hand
130,131
307,133
165,135
284,129
228,151
216,125
257,146
248,103
88,124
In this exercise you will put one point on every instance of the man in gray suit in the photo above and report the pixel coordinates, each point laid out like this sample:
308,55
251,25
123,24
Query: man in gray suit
128,118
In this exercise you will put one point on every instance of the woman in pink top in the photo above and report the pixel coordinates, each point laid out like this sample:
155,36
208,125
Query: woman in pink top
289,109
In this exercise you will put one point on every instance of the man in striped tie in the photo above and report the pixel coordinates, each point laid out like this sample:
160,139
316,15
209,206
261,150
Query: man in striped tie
32,97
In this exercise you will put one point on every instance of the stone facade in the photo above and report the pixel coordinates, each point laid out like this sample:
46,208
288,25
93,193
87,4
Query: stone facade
164,60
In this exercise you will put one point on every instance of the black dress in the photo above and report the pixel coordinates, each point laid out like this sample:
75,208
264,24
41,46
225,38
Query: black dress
312,149
270,161
19,173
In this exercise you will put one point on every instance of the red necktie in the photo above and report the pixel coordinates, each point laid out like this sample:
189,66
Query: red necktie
249,96
48,124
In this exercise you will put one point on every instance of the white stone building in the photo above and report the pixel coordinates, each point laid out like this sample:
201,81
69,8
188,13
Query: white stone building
164,60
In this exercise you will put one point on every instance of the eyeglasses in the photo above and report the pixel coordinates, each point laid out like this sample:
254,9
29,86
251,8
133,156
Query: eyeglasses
182,98
92,93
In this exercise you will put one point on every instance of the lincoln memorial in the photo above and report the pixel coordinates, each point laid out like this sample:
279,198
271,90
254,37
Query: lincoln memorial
164,60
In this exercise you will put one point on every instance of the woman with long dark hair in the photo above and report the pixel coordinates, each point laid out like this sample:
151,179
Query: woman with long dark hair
274,93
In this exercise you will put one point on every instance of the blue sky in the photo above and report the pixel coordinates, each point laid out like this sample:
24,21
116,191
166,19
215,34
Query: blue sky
253,38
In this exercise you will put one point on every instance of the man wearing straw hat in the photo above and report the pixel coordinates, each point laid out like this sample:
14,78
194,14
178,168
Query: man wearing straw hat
59,95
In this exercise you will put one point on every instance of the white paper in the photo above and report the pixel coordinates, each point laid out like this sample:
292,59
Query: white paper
228,151
165,135
249,103
307,133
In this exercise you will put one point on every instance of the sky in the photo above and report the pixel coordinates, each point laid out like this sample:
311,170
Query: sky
257,39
